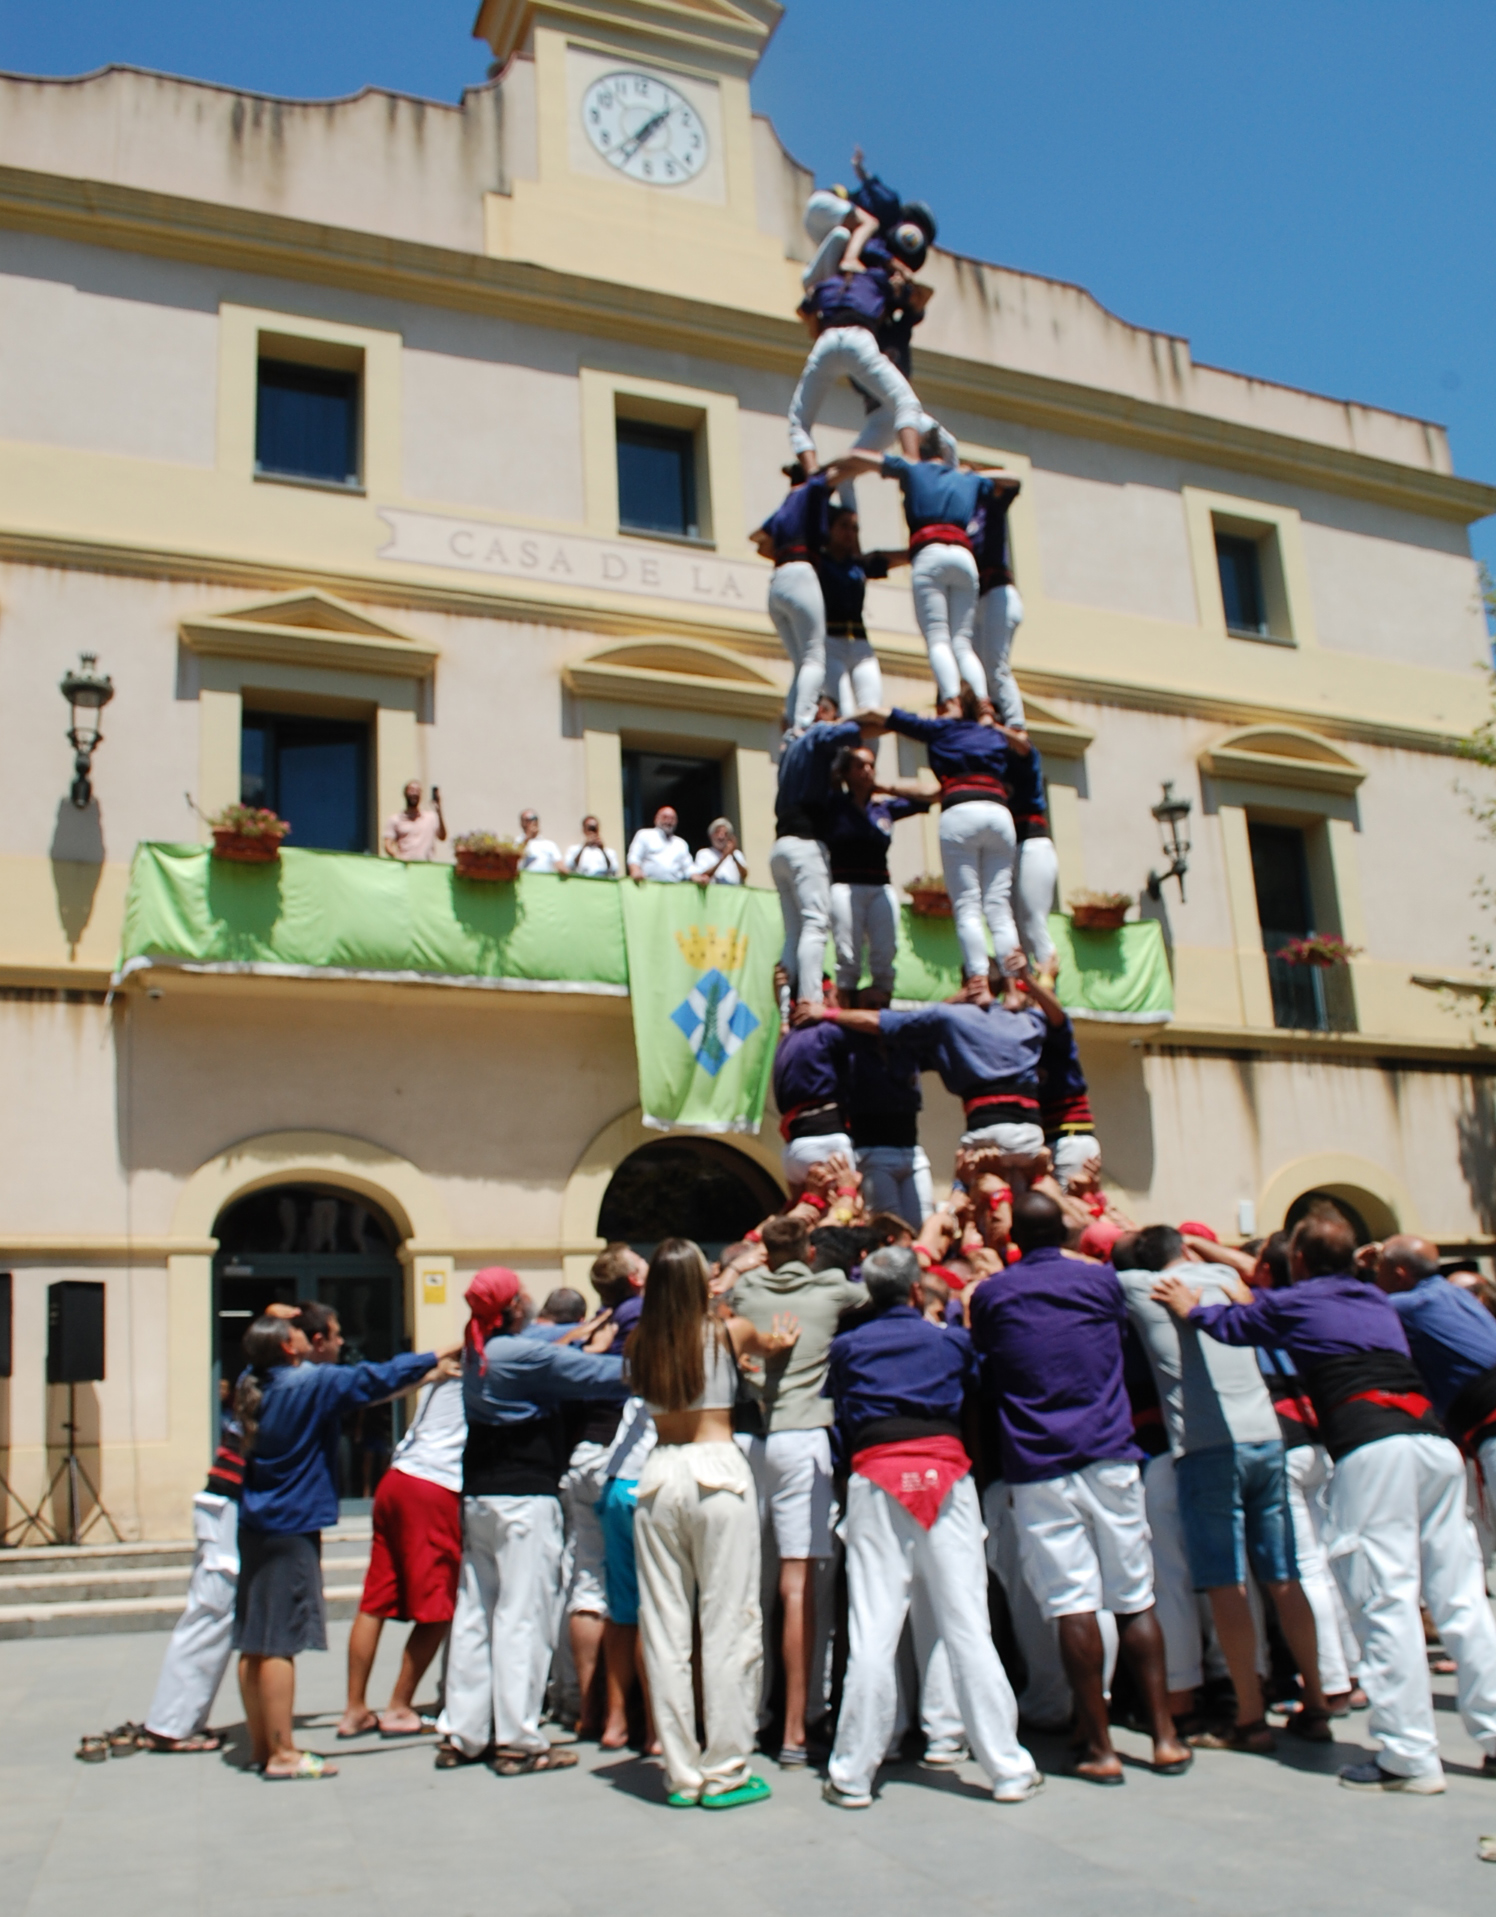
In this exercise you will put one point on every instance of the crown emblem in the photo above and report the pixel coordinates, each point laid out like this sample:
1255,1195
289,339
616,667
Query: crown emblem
704,947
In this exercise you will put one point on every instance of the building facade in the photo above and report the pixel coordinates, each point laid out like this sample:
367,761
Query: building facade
377,439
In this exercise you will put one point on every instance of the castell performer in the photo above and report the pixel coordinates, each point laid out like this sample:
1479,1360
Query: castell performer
1037,870
798,857
792,536
844,569
999,608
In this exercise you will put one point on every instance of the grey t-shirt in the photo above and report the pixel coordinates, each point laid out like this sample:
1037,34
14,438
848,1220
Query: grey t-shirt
1212,1394
788,1387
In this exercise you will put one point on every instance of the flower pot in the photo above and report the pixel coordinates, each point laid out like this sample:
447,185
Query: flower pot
929,902
246,848
490,867
1098,918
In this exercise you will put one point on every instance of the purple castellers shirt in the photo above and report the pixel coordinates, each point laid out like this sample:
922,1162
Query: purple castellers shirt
1048,1331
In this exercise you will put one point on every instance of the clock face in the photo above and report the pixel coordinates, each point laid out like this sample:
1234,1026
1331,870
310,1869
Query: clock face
644,129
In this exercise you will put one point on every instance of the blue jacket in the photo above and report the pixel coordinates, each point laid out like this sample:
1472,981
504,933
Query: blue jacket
1451,1336
1026,797
290,1480
798,525
844,588
897,1365
857,840
527,1377
974,1047
805,787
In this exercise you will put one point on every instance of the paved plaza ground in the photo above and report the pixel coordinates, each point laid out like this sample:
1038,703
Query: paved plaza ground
175,1835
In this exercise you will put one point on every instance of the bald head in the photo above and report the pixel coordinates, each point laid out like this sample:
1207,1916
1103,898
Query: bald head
1037,1221
1405,1261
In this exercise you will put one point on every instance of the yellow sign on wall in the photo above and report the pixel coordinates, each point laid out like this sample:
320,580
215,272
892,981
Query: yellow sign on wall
434,1285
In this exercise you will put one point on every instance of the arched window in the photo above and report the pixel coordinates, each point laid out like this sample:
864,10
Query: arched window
686,1188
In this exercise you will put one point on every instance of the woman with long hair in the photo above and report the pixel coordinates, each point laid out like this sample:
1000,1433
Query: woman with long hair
291,1414
696,1532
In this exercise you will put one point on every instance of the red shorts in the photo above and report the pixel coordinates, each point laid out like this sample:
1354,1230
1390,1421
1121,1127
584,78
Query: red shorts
417,1551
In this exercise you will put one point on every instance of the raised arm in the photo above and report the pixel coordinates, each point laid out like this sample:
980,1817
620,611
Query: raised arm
853,466
749,1342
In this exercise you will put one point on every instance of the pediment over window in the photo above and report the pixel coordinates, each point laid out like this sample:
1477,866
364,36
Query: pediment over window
1283,755
686,674
310,629
1055,736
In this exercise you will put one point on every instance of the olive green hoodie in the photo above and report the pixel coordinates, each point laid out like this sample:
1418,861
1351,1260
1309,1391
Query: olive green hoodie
788,1387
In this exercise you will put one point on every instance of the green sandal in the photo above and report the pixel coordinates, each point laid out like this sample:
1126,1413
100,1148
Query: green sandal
753,1790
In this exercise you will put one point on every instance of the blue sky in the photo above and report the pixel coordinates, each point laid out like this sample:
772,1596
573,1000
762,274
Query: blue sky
1302,190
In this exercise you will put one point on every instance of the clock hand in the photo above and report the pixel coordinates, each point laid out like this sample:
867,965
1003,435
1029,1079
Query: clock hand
628,151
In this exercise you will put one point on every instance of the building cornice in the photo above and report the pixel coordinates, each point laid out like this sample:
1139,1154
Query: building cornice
133,220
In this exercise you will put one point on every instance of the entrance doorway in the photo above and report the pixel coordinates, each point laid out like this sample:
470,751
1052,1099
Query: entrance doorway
692,786
686,1188
297,1242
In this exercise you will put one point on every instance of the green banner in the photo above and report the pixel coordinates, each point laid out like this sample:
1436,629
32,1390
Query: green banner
1121,975
701,976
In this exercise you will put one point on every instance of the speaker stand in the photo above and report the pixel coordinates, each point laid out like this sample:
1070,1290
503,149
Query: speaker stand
73,1468
29,1520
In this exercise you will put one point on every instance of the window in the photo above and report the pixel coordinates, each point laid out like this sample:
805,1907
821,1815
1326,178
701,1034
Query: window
314,772
692,786
307,423
1240,564
1306,998
657,479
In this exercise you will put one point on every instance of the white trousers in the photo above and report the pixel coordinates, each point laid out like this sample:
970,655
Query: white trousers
696,1542
198,1654
505,1624
1397,1528
1174,1595
583,1585
1309,1470
945,603
803,878
1487,1456
924,1672
897,1178
1046,1698
798,610
999,614
1038,873
853,674
886,1550
799,1155
864,916
851,352
978,850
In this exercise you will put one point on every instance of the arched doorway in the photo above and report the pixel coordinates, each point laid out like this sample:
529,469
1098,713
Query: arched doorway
686,1188
1367,1215
290,1242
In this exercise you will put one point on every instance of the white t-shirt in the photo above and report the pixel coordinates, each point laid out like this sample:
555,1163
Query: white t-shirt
432,1447
541,855
415,838
1210,1394
729,872
660,857
590,861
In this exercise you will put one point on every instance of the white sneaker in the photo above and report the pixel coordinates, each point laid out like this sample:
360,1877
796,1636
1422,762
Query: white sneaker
944,1757
1018,1790
1371,1777
846,1800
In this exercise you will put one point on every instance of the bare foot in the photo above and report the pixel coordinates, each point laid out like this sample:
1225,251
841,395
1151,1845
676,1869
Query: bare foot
1168,1751
357,1723
615,1737
393,1723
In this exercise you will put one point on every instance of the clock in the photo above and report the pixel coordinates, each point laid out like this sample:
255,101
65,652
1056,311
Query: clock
644,129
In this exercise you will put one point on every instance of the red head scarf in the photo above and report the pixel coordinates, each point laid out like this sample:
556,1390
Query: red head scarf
489,1296
1192,1228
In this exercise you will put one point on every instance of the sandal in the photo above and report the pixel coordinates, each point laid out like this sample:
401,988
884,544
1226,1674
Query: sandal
1256,1739
310,1768
509,1763
1312,1726
452,1757
124,1740
92,1750
176,1746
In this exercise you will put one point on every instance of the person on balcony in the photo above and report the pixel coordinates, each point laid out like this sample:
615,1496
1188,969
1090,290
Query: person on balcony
412,835
659,852
590,858
540,855
719,862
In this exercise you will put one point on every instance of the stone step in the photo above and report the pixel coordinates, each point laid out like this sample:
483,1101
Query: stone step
350,1540
105,1615
88,1586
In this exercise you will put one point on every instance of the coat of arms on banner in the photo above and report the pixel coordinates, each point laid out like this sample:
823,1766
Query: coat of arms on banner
712,1018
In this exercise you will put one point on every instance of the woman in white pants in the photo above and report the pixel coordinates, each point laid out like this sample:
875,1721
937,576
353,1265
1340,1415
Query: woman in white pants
696,1530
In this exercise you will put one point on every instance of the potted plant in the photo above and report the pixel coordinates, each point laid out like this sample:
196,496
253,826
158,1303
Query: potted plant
1317,948
483,855
928,898
247,834
1099,911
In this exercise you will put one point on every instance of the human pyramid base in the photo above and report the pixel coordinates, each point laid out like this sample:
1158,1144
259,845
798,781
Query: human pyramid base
1215,1492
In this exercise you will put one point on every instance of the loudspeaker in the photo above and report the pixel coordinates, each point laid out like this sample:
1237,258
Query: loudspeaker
5,1321
75,1332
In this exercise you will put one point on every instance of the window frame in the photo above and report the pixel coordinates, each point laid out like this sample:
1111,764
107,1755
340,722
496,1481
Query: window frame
352,482
1277,533
712,417
686,440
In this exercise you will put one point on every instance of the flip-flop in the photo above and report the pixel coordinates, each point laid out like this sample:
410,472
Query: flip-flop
368,1731
1107,1780
310,1769
752,1790
1177,1769
509,1763
419,1731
